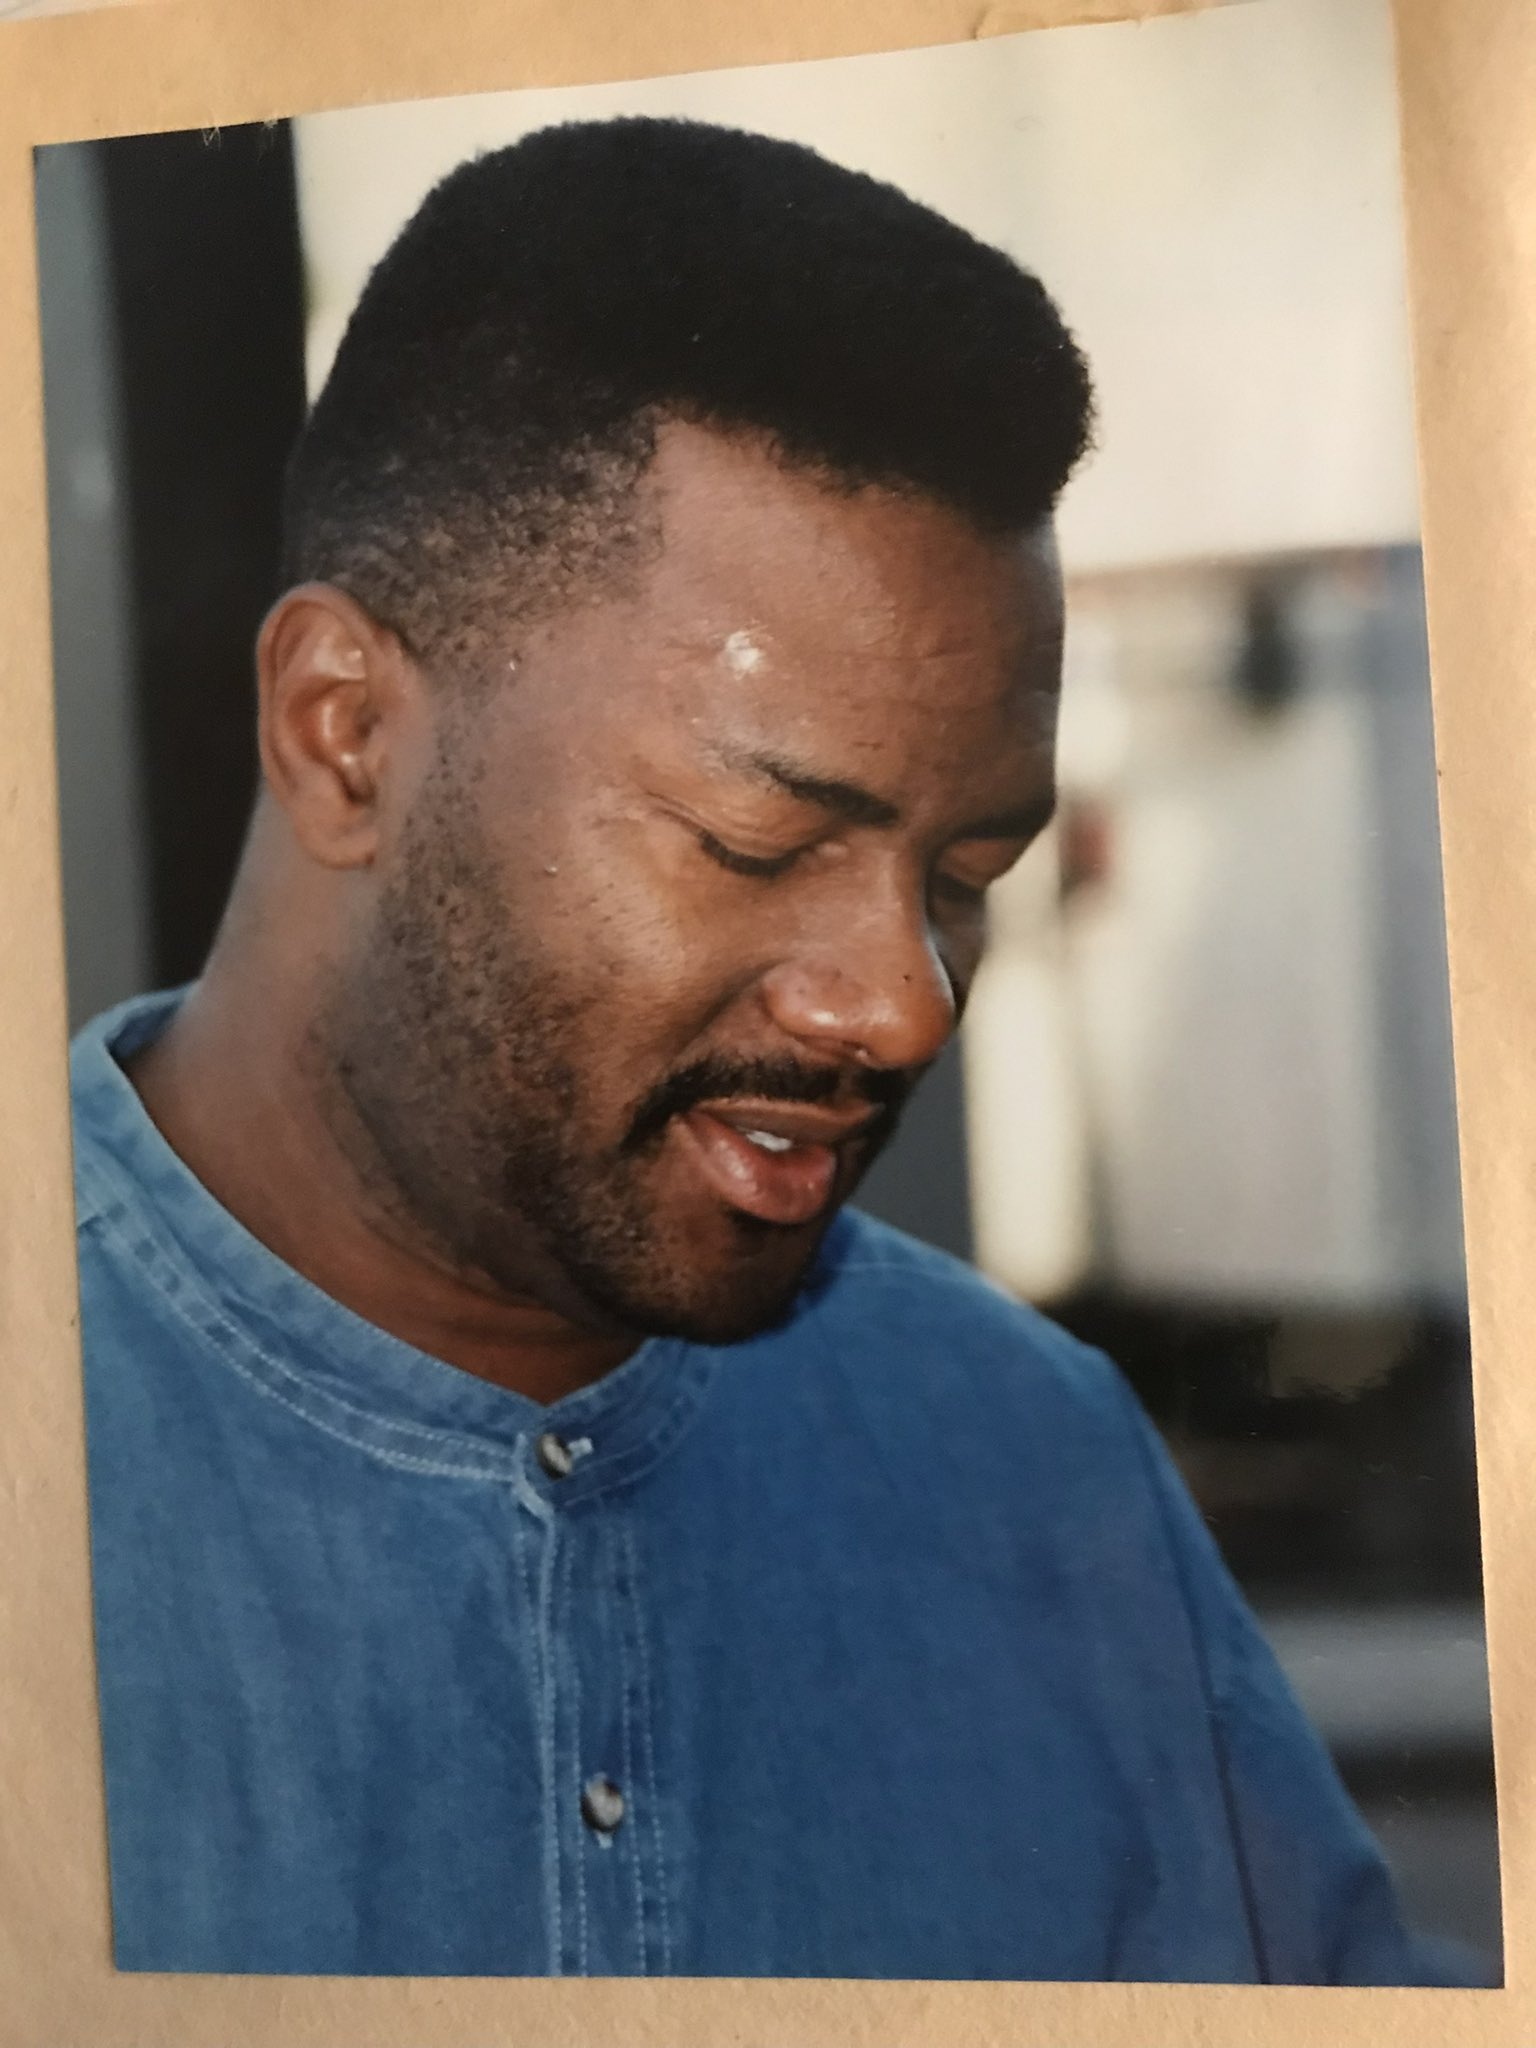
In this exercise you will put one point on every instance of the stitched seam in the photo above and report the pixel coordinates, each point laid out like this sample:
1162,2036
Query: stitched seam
530,1621
211,1324
552,1903
88,1209
631,1779
1216,1700
632,1464
402,1459
648,1732
577,1744
214,1326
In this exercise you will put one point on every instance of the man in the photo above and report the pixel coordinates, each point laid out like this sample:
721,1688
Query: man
536,1528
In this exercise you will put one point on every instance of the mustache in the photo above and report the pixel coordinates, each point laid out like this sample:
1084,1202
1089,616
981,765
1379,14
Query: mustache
771,1080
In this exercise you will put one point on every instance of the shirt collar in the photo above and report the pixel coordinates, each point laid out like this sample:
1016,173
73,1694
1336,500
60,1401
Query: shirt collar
130,1179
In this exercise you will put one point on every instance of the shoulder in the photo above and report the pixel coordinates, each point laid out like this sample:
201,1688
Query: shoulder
992,1434
937,1325
870,1270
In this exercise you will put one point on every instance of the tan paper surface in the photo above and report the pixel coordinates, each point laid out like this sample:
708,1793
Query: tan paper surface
1469,90
19,10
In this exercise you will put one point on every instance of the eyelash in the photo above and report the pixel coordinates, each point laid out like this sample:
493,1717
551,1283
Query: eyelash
763,867
769,867
964,893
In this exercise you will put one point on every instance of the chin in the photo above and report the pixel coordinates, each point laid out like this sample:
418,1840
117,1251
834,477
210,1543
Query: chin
741,1297
718,1315
732,1322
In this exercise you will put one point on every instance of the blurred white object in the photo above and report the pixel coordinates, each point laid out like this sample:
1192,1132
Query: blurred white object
1243,1028
1388,1679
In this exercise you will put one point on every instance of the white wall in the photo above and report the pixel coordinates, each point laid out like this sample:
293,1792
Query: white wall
1213,199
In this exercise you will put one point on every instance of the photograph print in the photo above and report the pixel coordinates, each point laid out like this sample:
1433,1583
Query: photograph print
770,1257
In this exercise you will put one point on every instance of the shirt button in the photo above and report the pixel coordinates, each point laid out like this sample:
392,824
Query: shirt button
554,1455
602,1804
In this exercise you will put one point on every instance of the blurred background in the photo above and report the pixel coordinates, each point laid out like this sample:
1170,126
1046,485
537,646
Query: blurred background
1202,1107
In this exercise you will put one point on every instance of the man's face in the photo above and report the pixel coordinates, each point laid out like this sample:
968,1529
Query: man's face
676,915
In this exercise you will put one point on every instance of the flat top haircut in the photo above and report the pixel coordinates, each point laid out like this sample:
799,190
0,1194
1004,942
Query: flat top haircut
474,455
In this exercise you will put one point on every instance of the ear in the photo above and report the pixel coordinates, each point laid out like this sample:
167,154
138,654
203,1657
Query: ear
334,690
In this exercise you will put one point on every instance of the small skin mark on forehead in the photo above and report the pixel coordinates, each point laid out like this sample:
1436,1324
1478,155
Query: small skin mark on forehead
741,653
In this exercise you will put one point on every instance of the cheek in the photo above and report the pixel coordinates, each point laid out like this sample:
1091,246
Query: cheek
638,985
662,983
658,937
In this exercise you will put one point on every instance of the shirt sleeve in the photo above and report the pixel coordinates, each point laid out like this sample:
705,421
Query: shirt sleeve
1319,1896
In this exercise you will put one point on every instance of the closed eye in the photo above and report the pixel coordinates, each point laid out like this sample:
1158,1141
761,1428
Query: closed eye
953,890
764,866
984,867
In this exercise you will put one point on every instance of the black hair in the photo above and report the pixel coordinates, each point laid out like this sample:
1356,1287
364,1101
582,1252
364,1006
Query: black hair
474,454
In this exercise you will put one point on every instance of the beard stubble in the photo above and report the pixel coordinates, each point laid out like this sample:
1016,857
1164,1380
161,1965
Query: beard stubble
457,1059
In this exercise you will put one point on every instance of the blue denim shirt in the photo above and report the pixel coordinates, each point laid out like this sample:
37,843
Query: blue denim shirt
896,1643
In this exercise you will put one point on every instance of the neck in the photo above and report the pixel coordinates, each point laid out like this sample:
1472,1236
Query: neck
224,1085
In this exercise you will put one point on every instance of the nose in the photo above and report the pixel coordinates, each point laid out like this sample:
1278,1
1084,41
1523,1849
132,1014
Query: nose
875,991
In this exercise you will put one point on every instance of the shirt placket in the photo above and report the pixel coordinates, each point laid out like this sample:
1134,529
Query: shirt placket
604,1865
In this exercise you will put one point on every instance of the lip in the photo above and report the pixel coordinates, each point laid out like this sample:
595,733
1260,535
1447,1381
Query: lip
785,1187
803,1123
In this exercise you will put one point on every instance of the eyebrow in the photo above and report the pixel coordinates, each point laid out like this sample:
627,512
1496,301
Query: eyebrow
1024,821
860,806
845,800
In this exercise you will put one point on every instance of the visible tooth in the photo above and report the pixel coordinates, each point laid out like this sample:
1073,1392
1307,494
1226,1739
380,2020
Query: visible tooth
769,1140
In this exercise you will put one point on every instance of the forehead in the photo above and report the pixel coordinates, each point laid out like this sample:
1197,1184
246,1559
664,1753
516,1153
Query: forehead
766,589
871,571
